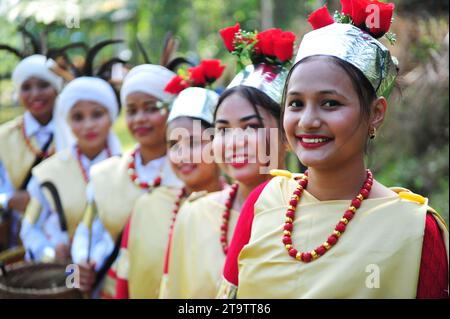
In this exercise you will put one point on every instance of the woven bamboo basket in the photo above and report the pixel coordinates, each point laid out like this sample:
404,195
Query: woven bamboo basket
12,255
36,281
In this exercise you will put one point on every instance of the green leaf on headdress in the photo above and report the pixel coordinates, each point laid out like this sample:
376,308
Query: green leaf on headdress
244,48
183,72
342,18
391,37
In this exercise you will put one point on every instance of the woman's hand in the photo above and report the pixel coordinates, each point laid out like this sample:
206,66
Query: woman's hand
19,201
87,277
62,253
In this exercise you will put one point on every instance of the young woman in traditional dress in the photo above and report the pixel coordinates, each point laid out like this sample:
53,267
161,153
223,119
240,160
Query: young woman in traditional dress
84,114
335,231
247,143
119,182
144,245
26,140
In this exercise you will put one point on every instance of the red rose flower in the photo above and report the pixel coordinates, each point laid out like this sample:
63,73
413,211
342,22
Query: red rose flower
228,35
212,69
176,85
266,39
378,27
284,46
359,13
320,18
197,75
371,15
346,7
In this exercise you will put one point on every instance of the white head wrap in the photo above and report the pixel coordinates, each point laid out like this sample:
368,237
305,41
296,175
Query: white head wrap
36,66
147,78
84,89
194,102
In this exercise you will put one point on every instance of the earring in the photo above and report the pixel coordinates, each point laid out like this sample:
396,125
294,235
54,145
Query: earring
287,147
372,133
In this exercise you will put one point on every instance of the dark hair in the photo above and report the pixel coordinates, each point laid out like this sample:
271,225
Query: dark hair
203,123
255,97
364,89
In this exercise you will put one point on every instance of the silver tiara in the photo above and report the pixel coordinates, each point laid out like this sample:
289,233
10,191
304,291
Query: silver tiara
356,47
194,102
267,78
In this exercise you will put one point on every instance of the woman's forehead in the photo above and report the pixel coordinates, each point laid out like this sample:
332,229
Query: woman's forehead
139,96
87,105
318,74
184,127
237,107
235,104
34,79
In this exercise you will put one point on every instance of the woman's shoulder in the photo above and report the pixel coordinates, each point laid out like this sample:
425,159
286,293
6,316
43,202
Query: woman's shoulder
108,166
202,204
10,126
111,176
407,202
55,162
380,191
218,197
256,192
205,201
276,191
407,195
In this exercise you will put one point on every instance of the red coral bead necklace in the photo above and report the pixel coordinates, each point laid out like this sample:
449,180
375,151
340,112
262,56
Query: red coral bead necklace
339,229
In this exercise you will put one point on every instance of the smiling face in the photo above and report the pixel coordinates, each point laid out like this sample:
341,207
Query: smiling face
38,97
236,140
145,119
185,153
90,123
323,117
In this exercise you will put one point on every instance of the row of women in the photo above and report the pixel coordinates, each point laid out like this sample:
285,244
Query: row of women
154,223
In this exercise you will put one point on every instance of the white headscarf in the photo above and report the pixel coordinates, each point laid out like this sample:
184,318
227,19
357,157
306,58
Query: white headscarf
84,89
147,78
36,66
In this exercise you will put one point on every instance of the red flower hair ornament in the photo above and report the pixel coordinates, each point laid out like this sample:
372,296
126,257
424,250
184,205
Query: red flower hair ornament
352,36
371,16
264,58
203,75
273,46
